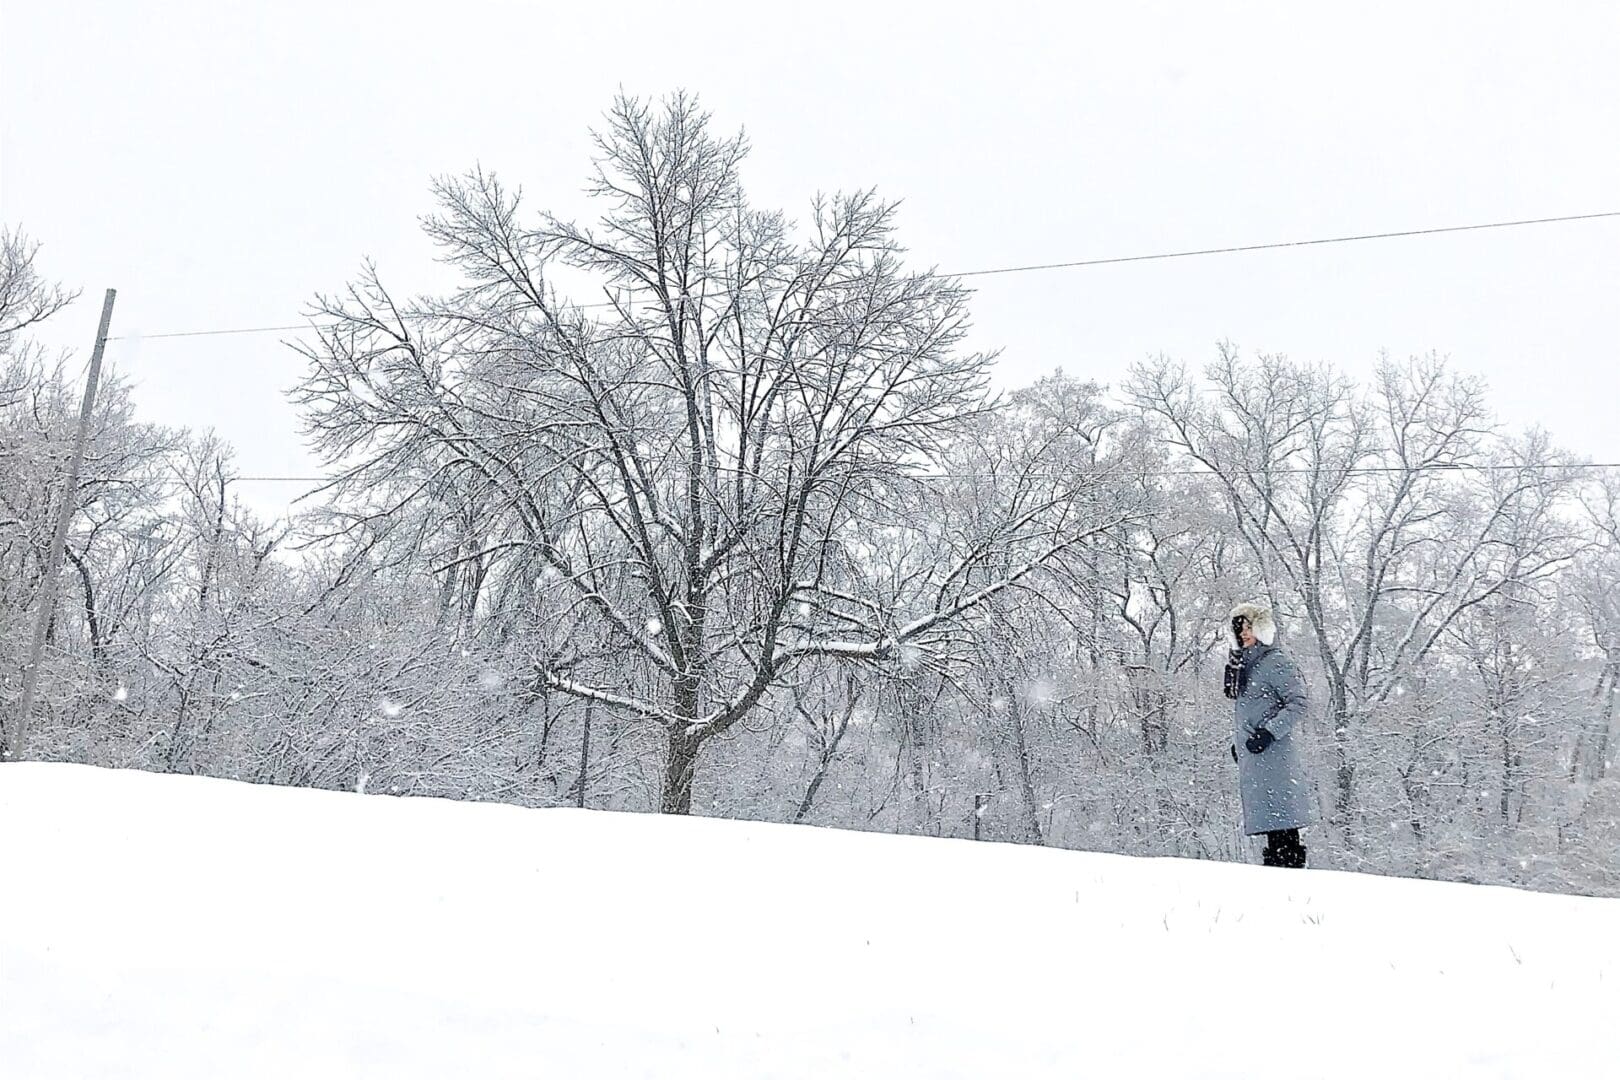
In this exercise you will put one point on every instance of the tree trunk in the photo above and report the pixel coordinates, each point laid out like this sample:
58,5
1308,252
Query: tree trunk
679,768
1345,769
829,750
92,619
1021,773
584,752
815,786
1608,688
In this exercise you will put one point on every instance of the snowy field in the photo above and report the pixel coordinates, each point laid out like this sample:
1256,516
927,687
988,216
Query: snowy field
179,927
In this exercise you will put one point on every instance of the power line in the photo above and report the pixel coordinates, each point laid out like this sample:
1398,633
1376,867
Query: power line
1288,244
1076,264
210,333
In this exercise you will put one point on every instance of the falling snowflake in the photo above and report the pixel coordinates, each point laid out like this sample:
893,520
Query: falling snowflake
1041,691
490,679
390,708
910,656
804,608
998,703
121,694
654,627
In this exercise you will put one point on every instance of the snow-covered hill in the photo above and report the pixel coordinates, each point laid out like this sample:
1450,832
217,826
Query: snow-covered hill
157,926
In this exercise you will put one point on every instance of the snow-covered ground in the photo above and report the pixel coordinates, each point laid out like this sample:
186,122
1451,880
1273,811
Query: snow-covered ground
178,927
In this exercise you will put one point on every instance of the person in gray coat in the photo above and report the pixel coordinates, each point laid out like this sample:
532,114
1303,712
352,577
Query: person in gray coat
1269,706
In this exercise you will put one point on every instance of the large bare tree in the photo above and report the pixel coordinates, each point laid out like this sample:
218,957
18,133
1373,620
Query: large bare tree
714,458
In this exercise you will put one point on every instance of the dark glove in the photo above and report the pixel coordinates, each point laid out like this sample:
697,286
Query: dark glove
1232,676
1233,748
1258,742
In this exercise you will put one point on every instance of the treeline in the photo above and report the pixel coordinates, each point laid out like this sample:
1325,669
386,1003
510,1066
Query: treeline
749,536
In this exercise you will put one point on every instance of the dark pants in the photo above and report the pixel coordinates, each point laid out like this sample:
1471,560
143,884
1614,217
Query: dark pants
1284,849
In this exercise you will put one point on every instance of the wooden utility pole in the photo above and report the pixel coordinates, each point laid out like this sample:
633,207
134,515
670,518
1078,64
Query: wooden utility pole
64,516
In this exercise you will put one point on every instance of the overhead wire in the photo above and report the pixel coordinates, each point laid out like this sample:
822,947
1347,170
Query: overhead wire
1032,267
1038,267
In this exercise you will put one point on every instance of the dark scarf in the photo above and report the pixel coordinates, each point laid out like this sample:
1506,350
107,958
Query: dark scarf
1239,662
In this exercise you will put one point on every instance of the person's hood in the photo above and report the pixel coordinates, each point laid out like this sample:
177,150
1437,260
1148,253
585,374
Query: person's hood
1260,620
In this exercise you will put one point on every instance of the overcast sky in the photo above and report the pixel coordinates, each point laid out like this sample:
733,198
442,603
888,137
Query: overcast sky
219,162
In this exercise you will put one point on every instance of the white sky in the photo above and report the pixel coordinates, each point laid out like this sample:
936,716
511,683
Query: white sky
219,162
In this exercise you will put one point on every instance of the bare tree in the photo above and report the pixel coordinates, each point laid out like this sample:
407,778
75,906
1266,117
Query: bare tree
1598,600
1347,503
730,426
25,298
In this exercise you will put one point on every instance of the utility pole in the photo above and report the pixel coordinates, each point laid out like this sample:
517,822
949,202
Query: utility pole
64,516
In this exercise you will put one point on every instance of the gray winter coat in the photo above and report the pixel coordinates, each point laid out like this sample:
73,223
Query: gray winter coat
1276,792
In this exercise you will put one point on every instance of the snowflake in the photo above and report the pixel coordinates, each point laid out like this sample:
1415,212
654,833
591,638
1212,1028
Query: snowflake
390,708
654,627
490,679
121,694
1041,691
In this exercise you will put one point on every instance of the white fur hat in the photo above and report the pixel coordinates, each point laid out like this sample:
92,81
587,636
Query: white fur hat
1260,621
